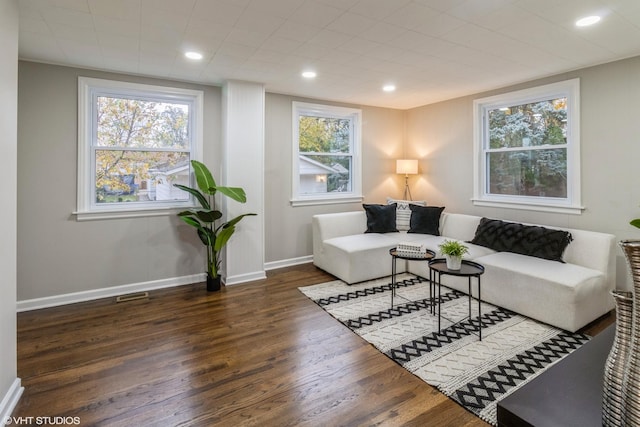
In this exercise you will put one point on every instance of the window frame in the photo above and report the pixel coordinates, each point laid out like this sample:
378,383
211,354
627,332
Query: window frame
88,89
572,204
323,110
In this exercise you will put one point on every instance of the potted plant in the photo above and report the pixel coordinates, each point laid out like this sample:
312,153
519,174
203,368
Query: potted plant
212,234
453,251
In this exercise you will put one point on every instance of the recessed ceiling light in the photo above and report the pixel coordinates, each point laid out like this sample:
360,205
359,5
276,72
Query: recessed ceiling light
193,55
587,20
309,74
389,88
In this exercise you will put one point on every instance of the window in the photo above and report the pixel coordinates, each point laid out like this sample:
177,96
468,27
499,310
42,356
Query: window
527,149
326,154
134,142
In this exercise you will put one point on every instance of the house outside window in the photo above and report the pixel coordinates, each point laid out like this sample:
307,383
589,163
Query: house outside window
327,154
527,149
135,141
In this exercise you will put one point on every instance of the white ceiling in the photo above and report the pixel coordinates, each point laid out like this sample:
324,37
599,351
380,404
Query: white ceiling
431,50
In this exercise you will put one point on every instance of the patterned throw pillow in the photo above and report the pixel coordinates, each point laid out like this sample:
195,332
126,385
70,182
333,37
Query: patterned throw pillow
522,239
380,218
403,213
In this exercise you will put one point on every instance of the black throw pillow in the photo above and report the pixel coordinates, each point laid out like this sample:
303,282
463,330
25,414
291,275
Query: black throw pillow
531,240
381,218
425,219
495,234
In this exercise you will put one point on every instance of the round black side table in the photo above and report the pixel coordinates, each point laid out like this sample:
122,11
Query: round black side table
469,269
395,256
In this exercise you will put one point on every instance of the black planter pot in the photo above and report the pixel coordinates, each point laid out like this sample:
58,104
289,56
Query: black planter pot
213,283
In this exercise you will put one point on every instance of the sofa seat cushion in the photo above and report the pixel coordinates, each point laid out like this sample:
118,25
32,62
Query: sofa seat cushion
432,242
429,240
564,295
361,257
364,242
542,274
474,251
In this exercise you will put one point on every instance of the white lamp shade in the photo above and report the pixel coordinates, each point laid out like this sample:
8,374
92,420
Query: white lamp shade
407,167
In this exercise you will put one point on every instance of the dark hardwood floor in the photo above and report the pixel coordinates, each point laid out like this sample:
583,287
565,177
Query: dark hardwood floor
254,354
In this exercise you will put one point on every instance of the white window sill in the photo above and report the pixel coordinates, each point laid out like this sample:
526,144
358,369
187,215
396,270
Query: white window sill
540,207
326,200
137,213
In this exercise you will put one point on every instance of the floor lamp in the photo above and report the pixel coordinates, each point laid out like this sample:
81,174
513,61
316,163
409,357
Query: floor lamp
407,167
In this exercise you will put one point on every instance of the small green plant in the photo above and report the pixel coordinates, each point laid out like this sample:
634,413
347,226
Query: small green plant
635,222
453,248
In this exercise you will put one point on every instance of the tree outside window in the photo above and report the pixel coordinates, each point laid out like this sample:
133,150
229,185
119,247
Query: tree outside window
527,147
135,141
327,141
141,150
326,154
527,153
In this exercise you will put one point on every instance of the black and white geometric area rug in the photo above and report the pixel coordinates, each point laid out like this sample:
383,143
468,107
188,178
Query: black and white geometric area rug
476,374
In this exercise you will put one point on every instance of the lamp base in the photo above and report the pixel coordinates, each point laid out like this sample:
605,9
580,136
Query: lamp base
407,191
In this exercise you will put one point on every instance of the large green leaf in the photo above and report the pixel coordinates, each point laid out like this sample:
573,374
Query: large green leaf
204,233
236,193
198,195
208,216
635,222
192,222
205,236
223,237
190,213
205,180
236,220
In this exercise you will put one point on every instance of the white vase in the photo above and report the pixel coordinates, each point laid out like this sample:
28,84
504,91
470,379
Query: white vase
453,262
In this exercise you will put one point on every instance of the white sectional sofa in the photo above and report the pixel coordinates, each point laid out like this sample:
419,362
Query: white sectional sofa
566,295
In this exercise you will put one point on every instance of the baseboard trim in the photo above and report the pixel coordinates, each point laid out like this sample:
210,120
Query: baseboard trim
288,262
243,278
57,300
10,400
74,297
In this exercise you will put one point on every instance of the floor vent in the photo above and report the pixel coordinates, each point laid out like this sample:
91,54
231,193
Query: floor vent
132,297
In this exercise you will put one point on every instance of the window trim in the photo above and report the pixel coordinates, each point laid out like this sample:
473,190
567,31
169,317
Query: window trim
87,87
573,203
353,196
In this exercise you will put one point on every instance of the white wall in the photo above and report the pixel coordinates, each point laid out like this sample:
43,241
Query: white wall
58,255
441,135
287,228
9,383
76,257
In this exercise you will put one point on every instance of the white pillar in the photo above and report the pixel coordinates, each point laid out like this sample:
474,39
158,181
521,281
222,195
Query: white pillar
243,166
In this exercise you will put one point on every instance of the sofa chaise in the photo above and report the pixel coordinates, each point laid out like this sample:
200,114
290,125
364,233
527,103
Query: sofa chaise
567,294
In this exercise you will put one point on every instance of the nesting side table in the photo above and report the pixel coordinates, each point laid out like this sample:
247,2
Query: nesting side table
395,256
469,269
